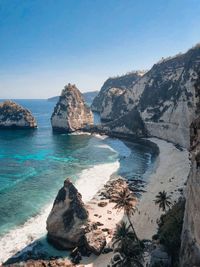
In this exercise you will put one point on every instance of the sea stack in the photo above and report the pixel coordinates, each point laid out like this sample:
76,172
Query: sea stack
71,112
68,218
12,115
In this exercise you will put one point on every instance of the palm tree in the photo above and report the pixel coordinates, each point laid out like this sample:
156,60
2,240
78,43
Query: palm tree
163,201
123,235
125,200
128,250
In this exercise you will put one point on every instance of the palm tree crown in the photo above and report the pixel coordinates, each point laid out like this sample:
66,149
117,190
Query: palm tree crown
163,200
128,250
125,200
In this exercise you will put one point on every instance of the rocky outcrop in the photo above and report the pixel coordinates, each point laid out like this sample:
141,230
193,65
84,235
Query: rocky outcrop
112,99
12,115
162,95
66,224
95,241
129,125
190,249
71,113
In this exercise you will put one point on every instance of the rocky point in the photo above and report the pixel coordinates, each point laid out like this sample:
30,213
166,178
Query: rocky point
71,112
12,115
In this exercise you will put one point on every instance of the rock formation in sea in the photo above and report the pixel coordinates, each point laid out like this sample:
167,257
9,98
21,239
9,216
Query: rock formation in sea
12,115
164,97
71,113
67,221
190,249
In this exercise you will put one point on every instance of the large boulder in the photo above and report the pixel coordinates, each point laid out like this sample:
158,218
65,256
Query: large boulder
12,115
67,221
95,241
71,113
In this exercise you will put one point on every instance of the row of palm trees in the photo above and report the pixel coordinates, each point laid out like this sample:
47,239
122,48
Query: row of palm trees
128,249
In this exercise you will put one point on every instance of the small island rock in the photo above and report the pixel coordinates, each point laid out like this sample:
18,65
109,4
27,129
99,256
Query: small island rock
12,115
68,218
71,113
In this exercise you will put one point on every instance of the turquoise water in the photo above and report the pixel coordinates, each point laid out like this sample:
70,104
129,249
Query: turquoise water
34,163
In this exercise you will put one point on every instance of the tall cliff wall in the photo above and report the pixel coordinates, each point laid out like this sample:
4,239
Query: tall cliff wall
164,97
113,97
190,250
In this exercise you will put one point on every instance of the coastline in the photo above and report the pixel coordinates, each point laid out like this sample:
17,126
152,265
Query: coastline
25,237
171,162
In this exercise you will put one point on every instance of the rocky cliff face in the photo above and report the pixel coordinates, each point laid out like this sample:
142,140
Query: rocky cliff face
161,96
68,219
113,97
128,125
71,113
12,115
190,250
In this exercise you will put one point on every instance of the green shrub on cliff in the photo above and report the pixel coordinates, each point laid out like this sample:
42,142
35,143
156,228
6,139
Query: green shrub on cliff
170,228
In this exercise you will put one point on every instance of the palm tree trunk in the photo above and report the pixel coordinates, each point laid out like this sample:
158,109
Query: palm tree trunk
137,239
129,220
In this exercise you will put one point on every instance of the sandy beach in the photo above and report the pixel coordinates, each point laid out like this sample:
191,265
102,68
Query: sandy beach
169,173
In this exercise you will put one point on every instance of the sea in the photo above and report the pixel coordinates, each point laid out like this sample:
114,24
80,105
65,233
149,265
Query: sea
34,164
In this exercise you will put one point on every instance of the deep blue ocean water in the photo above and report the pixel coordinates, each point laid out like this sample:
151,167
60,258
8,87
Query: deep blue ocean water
34,164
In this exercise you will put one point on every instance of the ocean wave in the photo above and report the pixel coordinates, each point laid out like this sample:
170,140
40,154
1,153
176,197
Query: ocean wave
89,182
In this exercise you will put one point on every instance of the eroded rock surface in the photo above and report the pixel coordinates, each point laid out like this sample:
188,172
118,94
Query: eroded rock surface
112,100
68,218
190,249
164,97
12,115
71,113
95,241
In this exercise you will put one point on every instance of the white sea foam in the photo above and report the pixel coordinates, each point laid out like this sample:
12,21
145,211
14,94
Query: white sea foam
89,182
93,179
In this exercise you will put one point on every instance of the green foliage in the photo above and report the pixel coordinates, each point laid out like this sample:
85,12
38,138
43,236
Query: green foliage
125,200
128,251
170,228
163,201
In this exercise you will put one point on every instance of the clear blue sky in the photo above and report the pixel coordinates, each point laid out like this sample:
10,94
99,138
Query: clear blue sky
45,44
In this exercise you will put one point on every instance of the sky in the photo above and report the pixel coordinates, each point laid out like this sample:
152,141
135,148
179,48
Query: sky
45,44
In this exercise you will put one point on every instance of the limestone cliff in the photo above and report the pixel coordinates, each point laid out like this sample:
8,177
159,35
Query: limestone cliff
190,250
12,115
68,219
111,101
128,125
164,97
71,113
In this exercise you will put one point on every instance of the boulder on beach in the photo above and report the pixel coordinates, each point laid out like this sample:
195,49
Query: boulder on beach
71,112
95,241
68,218
12,115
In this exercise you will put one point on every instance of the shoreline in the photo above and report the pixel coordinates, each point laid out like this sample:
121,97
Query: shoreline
23,237
169,158
171,162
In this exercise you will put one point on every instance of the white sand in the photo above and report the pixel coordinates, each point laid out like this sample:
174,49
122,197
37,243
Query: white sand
171,163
